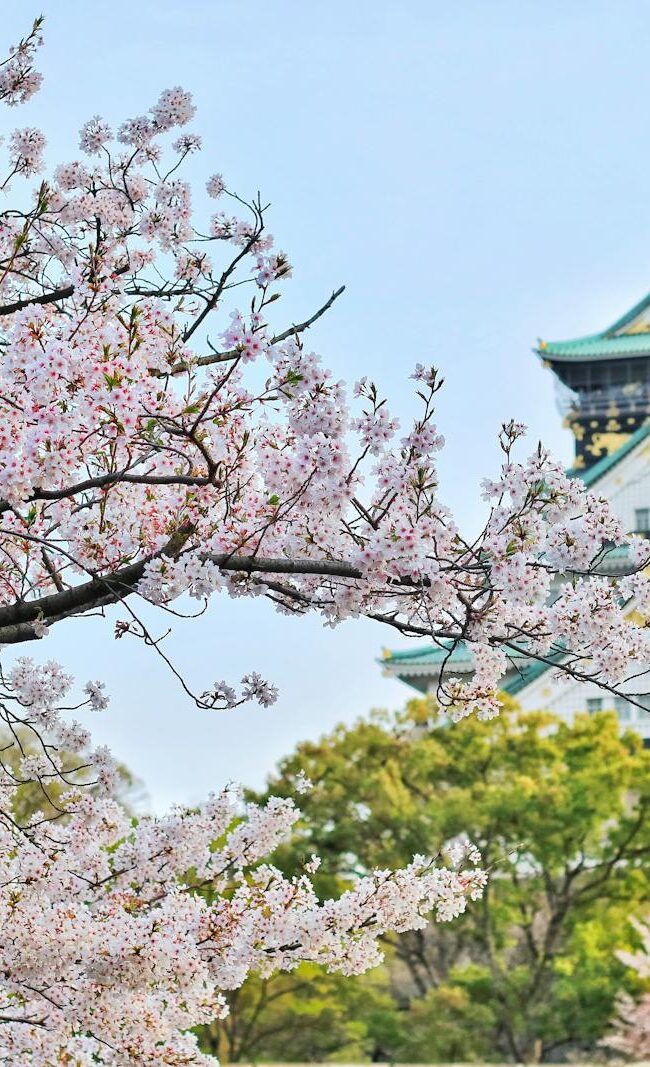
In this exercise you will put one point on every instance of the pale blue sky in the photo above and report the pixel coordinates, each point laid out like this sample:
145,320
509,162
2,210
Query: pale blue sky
476,173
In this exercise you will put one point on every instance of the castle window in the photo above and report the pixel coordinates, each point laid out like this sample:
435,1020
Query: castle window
642,699
618,374
594,704
623,709
642,520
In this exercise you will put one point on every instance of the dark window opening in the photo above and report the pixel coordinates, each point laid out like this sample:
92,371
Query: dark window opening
642,521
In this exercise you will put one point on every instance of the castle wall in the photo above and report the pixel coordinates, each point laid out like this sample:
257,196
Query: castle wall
627,485
568,698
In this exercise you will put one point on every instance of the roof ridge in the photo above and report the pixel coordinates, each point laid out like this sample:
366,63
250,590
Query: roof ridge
611,334
627,317
414,653
525,673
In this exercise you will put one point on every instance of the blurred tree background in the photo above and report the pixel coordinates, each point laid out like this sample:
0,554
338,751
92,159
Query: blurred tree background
561,815
41,799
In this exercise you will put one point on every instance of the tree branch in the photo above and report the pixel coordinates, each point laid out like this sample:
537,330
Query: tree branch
116,478
16,620
44,298
292,331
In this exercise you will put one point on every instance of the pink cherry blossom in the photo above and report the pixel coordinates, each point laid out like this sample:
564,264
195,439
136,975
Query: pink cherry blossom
631,1027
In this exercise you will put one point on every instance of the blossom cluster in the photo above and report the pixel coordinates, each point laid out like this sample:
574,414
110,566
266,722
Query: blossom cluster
120,935
631,1028
18,78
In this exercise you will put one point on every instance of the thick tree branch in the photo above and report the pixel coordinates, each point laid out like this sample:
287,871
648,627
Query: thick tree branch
103,480
43,298
51,297
16,620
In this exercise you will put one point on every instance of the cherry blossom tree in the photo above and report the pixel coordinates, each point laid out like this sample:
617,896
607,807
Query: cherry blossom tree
631,1029
109,956
141,460
162,439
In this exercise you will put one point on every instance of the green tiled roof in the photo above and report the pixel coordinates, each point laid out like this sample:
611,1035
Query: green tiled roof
418,663
596,347
525,674
628,336
431,655
415,665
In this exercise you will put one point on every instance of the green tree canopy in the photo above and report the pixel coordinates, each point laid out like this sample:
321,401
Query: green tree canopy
561,814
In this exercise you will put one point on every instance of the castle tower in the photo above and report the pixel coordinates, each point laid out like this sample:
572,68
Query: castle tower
603,383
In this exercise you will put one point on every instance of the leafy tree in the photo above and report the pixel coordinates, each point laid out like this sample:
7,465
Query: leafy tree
306,1016
561,814
454,1022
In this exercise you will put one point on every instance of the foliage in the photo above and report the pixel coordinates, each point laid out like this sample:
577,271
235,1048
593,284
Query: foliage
450,1023
309,1015
561,814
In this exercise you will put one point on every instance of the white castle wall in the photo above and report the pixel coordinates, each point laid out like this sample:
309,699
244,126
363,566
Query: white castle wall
627,485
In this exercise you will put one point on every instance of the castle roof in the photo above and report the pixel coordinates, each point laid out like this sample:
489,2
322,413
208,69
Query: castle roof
415,666
628,337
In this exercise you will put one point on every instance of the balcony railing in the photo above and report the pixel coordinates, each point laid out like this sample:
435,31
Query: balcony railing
630,399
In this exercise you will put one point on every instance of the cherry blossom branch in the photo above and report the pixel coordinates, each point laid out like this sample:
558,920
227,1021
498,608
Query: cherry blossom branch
291,331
